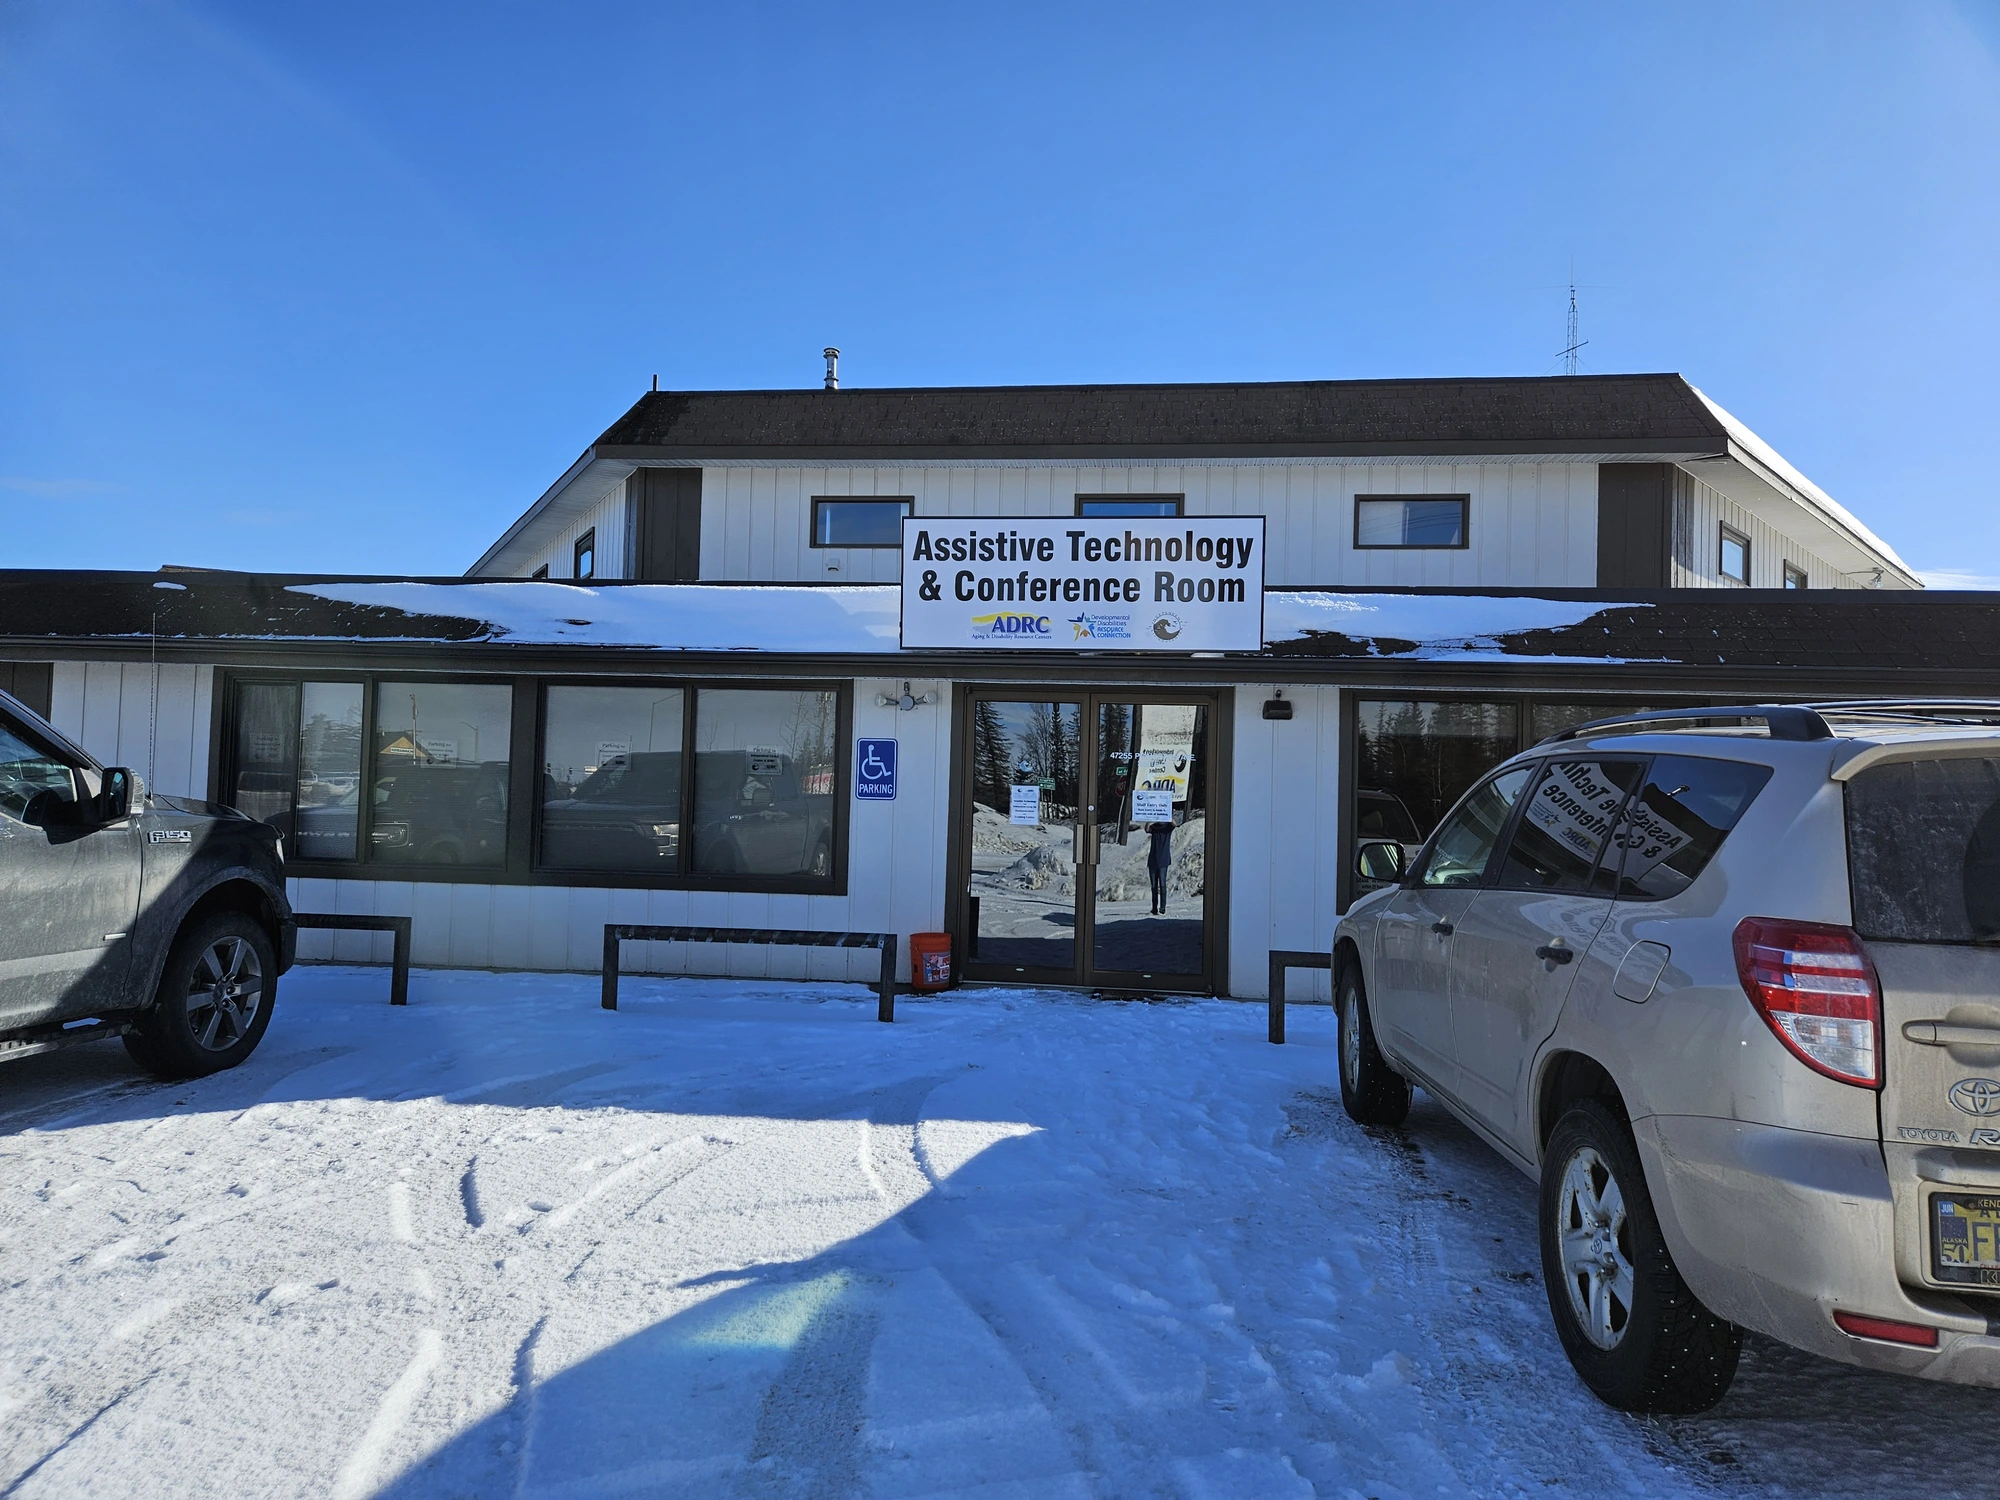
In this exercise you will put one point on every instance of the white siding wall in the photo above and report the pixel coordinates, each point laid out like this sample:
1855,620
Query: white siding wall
107,707
895,883
607,518
1532,524
1284,856
1700,513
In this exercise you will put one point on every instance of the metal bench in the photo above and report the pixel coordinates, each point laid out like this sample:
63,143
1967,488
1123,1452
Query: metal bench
399,964
615,932
1281,960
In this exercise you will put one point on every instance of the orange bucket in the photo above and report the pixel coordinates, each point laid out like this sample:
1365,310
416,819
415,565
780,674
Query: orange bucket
930,961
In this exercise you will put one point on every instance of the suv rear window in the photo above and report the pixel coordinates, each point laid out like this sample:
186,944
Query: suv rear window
1923,851
1672,829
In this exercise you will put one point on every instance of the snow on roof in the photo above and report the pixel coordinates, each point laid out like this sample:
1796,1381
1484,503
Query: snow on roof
863,618
676,617
1771,459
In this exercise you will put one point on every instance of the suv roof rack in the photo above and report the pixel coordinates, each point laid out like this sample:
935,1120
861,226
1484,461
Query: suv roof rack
1913,708
1791,721
1783,721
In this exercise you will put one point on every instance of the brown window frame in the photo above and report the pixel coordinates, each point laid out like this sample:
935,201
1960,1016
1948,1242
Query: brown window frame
1464,525
528,720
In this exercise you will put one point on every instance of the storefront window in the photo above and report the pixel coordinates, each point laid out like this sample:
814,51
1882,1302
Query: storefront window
1414,759
329,780
439,778
267,747
611,779
764,782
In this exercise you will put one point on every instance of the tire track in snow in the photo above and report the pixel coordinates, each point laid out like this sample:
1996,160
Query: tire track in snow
358,1476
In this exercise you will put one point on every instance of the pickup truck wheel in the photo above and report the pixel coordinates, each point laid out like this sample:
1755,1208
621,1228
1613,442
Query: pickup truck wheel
214,1001
1371,1091
1634,1332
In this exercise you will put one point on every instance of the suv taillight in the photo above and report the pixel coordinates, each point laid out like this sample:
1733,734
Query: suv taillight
1814,985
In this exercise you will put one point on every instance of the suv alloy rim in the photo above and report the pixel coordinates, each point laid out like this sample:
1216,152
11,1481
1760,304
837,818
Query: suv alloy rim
228,987
1596,1255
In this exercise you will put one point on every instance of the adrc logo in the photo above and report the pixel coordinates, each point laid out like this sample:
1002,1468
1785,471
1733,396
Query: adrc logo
1010,625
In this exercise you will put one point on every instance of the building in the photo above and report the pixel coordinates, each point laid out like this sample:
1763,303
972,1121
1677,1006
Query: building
667,693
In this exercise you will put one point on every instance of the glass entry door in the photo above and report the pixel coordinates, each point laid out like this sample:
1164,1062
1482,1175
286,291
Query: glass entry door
1088,846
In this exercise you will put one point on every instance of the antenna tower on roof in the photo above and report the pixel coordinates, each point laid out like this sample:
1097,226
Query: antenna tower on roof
1571,344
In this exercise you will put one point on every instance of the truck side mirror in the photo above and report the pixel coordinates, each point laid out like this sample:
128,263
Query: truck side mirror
1379,859
115,801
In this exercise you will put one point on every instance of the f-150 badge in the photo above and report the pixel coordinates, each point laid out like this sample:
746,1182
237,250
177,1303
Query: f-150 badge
170,836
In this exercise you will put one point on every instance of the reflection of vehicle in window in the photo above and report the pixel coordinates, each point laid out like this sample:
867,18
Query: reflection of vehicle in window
442,815
625,815
1383,815
754,814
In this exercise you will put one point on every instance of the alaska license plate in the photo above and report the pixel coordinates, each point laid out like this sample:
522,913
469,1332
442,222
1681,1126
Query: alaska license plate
1965,1239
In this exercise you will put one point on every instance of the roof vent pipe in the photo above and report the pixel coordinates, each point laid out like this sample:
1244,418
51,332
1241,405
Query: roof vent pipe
832,367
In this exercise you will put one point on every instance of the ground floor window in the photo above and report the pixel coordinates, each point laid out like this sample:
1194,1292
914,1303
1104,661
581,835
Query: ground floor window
622,783
1413,758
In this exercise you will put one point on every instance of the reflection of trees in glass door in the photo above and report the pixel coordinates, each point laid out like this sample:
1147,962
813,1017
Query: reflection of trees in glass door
1026,787
1099,799
1150,885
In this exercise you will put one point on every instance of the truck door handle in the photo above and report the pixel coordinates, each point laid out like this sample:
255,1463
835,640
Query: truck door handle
1443,929
1554,954
1950,1034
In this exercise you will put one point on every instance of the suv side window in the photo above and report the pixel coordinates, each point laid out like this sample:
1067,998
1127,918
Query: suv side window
1680,817
1465,841
1566,823
26,769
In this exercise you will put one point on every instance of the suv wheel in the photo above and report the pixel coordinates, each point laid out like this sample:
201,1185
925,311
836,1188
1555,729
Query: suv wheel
1635,1333
1371,1091
214,1001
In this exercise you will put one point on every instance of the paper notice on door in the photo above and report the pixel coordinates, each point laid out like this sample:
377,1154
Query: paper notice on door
1166,751
1152,807
1026,805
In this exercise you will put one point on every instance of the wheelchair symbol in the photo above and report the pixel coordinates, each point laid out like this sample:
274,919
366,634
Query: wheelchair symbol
875,770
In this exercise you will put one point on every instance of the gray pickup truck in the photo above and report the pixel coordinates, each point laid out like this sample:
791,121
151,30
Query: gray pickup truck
154,918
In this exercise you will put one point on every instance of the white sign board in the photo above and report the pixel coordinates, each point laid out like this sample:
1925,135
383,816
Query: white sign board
610,750
1152,807
1083,583
1025,806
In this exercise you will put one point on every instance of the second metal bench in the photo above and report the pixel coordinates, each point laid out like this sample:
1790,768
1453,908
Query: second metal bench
616,932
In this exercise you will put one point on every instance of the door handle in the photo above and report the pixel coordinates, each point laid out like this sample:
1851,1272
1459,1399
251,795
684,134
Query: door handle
1555,954
1443,929
1951,1034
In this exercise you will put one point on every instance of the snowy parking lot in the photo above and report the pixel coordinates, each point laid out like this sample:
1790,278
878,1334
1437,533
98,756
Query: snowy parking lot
739,1239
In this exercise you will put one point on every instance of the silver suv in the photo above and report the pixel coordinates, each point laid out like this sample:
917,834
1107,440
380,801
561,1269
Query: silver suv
1727,983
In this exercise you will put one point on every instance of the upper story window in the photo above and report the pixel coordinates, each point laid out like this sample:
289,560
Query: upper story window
860,521
586,555
1129,507
1795,576
1397,521
541,572
1733,557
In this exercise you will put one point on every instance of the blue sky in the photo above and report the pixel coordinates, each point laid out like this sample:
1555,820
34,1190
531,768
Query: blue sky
345,287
